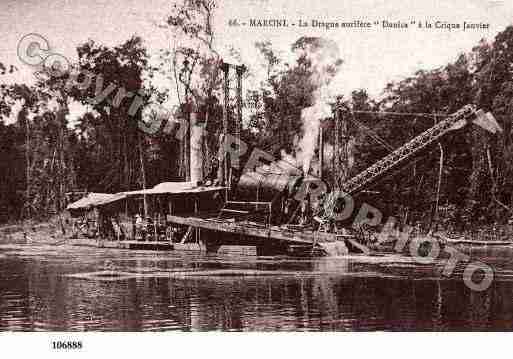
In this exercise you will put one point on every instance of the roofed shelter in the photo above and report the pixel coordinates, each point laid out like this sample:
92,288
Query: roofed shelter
164,199
91,201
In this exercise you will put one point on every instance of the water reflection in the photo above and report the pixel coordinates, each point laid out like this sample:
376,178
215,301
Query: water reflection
354,293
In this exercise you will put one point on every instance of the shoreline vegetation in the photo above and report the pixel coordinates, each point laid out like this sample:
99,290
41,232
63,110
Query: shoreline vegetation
48,231
468,176
58,230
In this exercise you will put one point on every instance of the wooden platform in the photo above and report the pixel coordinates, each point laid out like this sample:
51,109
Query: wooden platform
252,229
472,242
135,245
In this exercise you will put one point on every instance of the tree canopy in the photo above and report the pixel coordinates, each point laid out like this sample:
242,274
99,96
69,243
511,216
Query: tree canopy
44,156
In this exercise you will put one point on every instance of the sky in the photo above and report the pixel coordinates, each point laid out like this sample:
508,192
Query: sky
372,58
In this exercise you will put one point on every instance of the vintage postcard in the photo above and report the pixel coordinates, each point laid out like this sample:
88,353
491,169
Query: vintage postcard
254,166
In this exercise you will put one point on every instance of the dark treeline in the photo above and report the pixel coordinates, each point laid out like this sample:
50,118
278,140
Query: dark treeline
476,183
43,156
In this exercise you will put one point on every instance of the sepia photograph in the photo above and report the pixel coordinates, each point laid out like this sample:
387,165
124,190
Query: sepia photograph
255,166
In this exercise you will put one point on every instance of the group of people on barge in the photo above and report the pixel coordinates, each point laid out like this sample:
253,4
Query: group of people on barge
141,228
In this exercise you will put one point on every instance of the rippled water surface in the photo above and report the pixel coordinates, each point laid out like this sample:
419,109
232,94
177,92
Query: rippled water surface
50,288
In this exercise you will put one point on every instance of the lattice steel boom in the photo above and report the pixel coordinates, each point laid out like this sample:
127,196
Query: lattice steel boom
455,121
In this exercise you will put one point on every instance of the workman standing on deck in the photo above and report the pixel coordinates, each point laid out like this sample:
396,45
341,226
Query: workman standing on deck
139,226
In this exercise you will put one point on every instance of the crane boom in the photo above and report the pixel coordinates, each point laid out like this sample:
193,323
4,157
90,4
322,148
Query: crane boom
457,120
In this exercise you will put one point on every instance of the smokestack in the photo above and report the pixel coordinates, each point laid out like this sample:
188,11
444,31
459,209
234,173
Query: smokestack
196,149
222,172
238,124
321,151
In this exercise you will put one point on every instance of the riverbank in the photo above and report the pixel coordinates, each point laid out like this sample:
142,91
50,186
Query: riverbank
58,230
53,230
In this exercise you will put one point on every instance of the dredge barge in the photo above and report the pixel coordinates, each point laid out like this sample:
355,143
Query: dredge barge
267,203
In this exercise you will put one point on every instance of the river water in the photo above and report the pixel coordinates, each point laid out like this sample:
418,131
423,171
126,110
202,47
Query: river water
69,288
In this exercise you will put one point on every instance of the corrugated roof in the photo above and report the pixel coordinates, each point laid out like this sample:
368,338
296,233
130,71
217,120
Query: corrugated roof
94,200
175,188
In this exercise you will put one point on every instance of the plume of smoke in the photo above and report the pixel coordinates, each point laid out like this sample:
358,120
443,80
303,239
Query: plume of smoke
324,58
311,118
